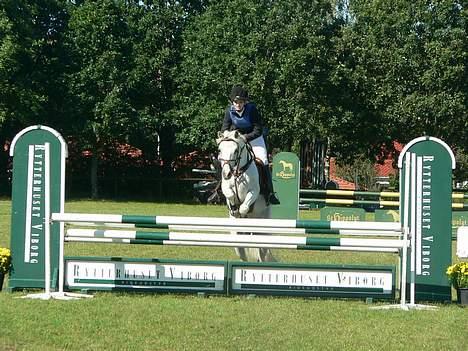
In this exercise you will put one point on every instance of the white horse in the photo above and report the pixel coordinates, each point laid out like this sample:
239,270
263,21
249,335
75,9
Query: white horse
240,185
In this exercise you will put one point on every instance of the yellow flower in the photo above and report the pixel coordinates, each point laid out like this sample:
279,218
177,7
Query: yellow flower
5,260
458,275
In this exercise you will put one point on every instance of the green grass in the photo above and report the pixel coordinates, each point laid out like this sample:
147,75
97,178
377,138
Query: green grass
120,321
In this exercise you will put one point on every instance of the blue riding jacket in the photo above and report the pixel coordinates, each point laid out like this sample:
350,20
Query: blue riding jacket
249,123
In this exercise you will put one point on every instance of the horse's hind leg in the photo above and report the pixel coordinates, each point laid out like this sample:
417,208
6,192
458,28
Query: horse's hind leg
249,254
240,251
255,255
266,256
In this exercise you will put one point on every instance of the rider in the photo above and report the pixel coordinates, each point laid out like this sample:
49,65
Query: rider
243,115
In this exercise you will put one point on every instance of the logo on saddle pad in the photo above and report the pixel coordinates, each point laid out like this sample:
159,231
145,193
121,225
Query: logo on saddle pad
287,171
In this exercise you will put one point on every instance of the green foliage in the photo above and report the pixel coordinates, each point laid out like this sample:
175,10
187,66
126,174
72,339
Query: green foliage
100,42
120,79
276,49
460,173
360,73
31,63
362,172
411,63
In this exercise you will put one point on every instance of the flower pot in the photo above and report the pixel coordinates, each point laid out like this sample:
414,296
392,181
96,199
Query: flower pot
462,296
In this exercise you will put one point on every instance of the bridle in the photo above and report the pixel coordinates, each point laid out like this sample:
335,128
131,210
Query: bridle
236,170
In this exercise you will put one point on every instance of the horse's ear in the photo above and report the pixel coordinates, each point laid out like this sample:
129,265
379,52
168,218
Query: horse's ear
236,135
220,134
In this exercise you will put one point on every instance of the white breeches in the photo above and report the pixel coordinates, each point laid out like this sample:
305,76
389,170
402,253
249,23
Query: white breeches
259,149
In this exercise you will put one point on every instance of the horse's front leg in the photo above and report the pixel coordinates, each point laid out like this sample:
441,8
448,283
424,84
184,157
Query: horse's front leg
228,184
228,192
250,198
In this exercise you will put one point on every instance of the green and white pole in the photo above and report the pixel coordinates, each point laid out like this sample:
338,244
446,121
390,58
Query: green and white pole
165,221
381,203
277,231
350,193
244,229
233,238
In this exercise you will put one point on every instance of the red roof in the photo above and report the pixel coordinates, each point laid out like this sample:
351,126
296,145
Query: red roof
383,170
387,168
343,184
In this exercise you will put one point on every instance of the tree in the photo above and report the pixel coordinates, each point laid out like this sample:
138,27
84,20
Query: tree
276,49
32,61
408,60
31,64
121,73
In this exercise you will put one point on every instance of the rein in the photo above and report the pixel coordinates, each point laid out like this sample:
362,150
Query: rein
238,169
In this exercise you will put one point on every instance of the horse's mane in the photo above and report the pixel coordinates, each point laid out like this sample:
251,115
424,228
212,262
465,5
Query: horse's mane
231,134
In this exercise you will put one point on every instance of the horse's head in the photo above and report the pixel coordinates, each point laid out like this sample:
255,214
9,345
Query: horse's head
232,151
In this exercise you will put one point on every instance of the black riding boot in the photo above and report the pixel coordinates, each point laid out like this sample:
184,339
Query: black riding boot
270,194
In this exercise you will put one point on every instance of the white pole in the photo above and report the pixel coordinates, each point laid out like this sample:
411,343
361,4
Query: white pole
407,232
418,234
404,260
47,218
413,228
61,258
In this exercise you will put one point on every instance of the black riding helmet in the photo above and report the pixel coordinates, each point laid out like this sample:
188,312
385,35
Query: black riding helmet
238,93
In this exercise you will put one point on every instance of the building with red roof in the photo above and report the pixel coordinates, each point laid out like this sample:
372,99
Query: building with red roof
384,171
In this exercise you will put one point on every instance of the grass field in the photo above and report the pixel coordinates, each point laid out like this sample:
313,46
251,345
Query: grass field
186,322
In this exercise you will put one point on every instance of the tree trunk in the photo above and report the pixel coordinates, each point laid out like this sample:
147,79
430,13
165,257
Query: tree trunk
94,175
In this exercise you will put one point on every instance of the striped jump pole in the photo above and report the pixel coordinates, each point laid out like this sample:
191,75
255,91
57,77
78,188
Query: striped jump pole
254,239
234,245
382,203
165,221
350,193
288,231
244,229
229,240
